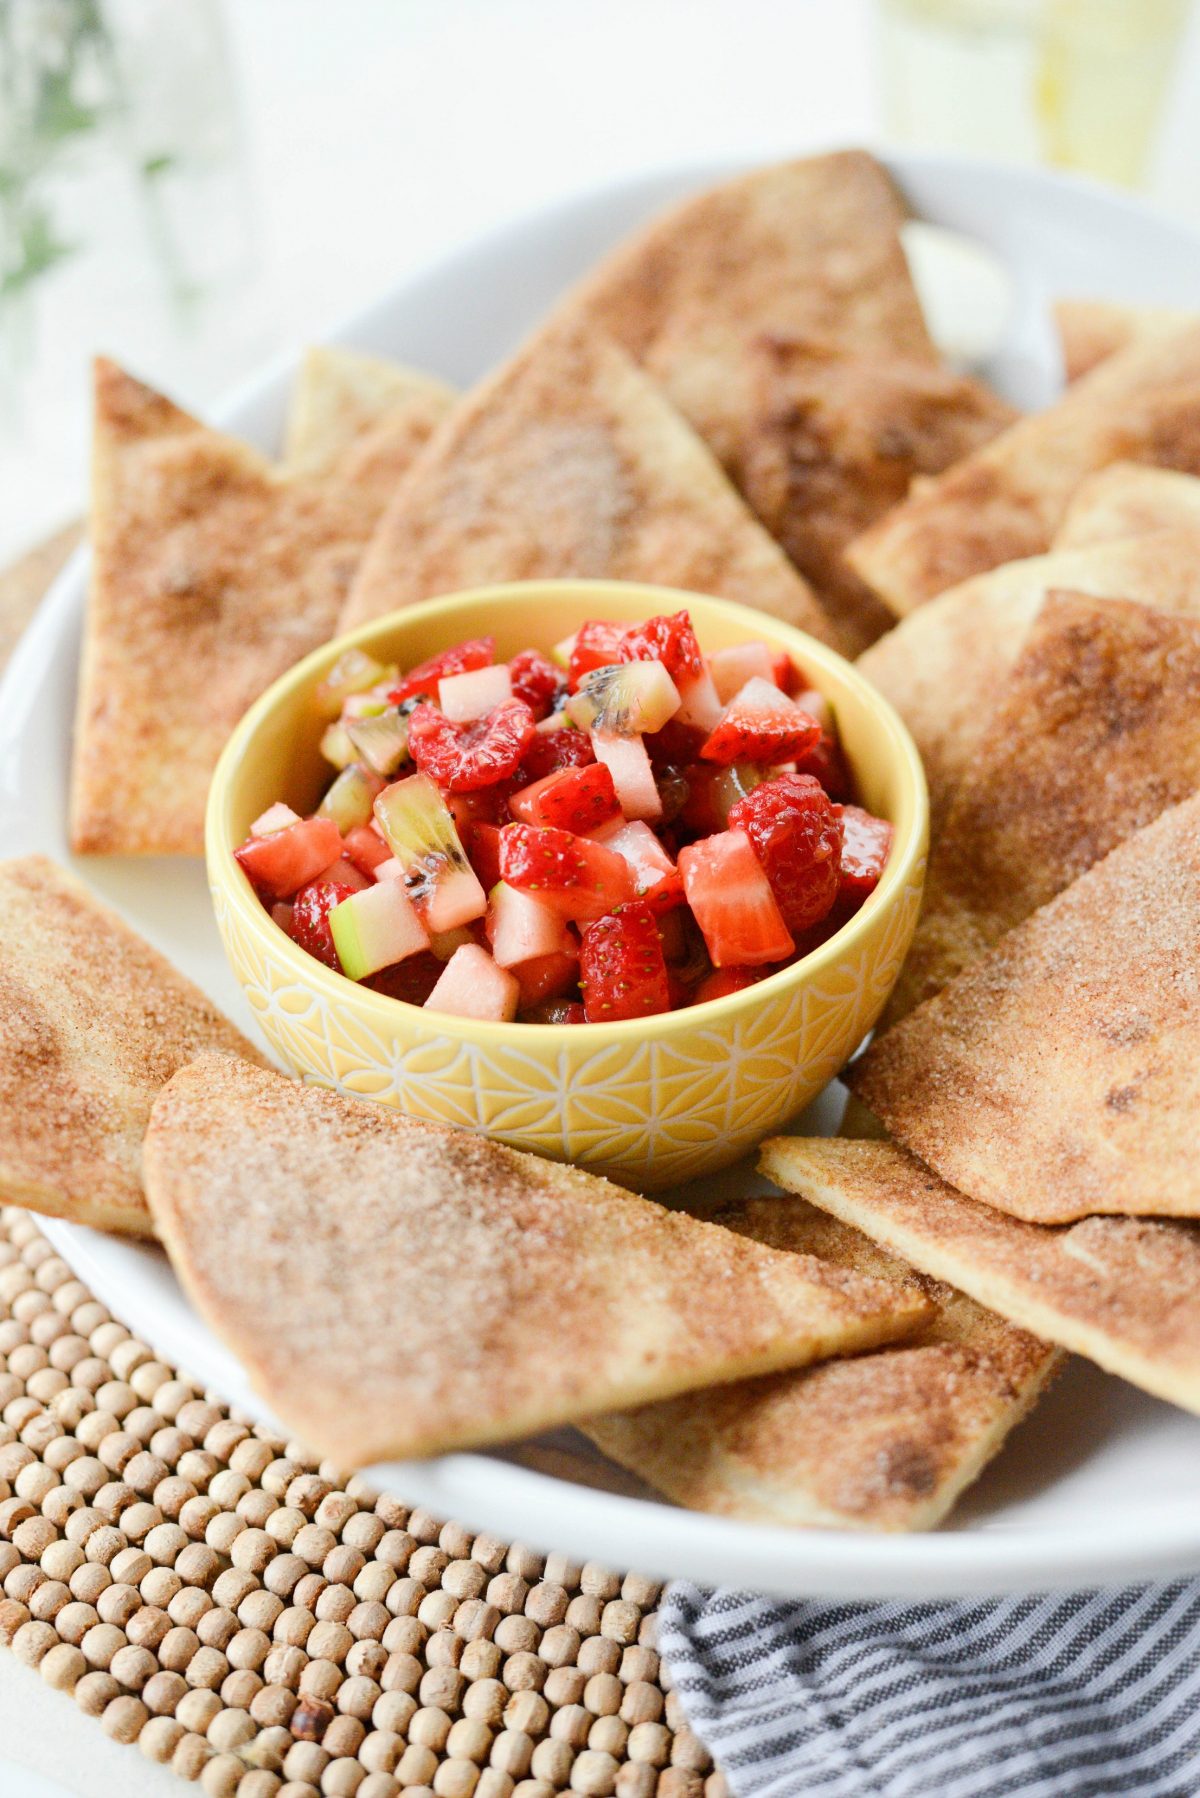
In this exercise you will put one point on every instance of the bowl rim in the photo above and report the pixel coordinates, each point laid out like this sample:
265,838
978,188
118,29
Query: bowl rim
908,850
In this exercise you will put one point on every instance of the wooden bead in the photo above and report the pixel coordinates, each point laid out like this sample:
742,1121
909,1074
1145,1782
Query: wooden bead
442,1687
608,1735
343,1737
178,1648
649,1743
268,1749
33,1641
221,1776
512,1752
147,1627
527,1712
101,1643
192,1754
231,1730
134,1667
284,1665
104,1544
395,1548
160,1738
494,1784
481,1659
232,1586
380,1750
284,1525
357,1697
443,1649
363,1530
124,1719
526,1561
475,1619
118,1603
517,1634
217,1627
239,1688
429,1726
88,1581
272,1706
456,1779
394,1711
162,1692
552,1761
187,1606
207,1668
687,1750
485,1701
635,1781
559,1646
59,1504
311,1718
679,1782
436,1610
469,1739
305,1760
417,1765
196,1710
599,1655
367,1660
603,1694
571,1725
94,1692
62,1667
48,1600
248,1648
334,1603
524,1673
642,1703
23,1582
159,1586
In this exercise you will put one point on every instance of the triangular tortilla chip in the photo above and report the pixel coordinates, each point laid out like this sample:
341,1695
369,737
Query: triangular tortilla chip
1060,1074
1123,1291
807,248
92,1023
1009,498
941,668
211,575
1096,731
570,462
1129,500
832,439
342,397
1093,330
466,1292
884,1441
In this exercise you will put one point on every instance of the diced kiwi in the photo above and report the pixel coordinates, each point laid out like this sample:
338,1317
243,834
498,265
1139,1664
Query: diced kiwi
629,699
419,830
353,672
382,741
350,798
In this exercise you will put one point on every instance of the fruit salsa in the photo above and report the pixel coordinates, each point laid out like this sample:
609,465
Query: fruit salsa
622,828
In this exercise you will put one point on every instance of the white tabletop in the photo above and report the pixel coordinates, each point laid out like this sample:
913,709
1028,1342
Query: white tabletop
378,137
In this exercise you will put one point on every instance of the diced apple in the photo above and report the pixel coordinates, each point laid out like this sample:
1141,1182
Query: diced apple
633,777
375,929
472,986
547,976
520,928
658,879
699,704
463,697
276,817
732,668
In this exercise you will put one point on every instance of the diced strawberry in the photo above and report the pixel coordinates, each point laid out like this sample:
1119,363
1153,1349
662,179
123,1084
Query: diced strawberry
547,977
866,844
538,682
578,799
424,678
659,881
761,724
597,645
732,900
342,872
797,836
486,805
556,1011
826,763
366,848
463,757
725,981
412,979
281,914
482,844
310,918
280,864
574,876
621,966
666,639
554,749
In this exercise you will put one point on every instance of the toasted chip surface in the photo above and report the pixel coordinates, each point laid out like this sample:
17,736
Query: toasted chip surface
1096,731
832,438
1093,330
943,665
569,461
886,1440
805,248
1008,498
93,1021
1129,499
341,398
211,575
1059,1075
1123,1291
471,1292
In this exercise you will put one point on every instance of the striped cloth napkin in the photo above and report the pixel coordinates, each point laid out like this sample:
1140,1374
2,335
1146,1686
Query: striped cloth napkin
1062,1695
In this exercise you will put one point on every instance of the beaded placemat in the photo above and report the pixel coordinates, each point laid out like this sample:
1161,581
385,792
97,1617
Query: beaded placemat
273,1628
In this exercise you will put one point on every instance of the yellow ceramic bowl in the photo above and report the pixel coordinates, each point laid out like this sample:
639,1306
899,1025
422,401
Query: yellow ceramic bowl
650,1102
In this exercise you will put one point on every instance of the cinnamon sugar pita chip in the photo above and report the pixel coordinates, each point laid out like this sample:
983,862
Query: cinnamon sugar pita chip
212,574
1095,732
93,1021
942,666
833,438
1129,500
1093,330
471,1292
342,398
1059,1075
809,248
886,1440
1123,1291
1008,499
569,462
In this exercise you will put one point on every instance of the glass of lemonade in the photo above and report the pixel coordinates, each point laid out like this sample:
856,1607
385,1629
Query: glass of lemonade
1076,83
